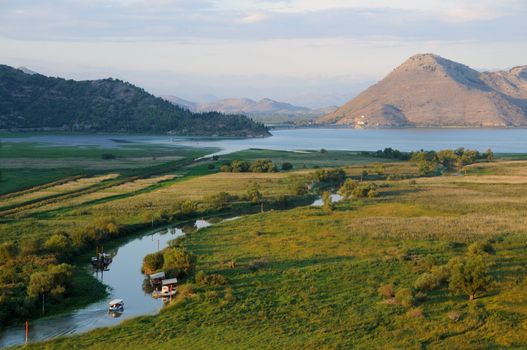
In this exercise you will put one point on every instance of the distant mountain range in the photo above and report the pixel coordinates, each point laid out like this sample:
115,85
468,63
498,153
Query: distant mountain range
430,91
263,110
31,101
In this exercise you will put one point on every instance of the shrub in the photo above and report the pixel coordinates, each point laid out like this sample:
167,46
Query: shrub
327,202
257,264
59,244
153,262
387,291
178,262
454,316
29,247
426,282
200,277
8,250
404,297
211,280
481,247
263,166
287,166
107,156
416,312
229,295
219,201
226,169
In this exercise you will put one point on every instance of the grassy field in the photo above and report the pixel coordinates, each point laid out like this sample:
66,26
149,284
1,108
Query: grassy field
308,278
302,278
25,165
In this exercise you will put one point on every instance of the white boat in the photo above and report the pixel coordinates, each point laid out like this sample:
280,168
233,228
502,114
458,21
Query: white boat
168,288
116,305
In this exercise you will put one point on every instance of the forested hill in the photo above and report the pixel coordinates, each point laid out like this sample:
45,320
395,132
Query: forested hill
38,102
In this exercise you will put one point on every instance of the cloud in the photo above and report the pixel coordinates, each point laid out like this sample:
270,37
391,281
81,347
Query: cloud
254,18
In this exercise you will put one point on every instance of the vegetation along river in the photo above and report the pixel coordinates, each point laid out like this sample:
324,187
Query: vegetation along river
125,281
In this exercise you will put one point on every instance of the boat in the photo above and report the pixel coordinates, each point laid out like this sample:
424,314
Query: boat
101,261
116,305
168,289
156,278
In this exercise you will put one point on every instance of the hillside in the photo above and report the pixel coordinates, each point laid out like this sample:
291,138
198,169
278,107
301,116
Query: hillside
263,110
428,90
36,102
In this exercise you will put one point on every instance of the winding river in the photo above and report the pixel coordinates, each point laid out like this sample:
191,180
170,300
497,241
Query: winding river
124,280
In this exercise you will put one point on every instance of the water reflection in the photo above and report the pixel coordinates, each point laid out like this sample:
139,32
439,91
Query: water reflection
335,198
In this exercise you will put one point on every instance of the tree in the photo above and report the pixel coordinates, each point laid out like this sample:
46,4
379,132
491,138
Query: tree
240,166
253,193
489,155
178,262
153,262
59,244
287,166
263,166
219,201
379,168
327,201
346,190
469,275
447,158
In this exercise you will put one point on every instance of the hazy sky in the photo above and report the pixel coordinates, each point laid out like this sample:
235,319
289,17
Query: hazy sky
303,51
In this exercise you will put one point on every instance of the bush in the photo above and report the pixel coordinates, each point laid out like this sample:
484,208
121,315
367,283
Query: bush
387,291
59,244
153,262
263,166
416,312
8,251
219,201
287,166
426,282
178,262
211,280
481,247
405,297
107,156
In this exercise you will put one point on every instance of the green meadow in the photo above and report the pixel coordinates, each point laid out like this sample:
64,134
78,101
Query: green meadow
345,276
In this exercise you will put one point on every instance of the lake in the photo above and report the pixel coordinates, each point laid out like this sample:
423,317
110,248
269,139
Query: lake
500,140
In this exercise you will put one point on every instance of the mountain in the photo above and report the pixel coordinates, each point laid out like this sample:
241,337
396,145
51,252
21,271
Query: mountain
27,70
263,110
191,106
428,90
37,102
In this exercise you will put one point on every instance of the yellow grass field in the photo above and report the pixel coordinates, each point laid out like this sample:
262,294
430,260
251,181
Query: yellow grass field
69,186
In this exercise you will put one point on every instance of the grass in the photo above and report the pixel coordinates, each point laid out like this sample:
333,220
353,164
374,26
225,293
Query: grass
308,279
26,164
305,159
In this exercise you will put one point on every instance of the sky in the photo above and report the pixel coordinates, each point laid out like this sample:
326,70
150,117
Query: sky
308,52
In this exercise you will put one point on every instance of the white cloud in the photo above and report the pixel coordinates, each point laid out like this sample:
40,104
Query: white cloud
254,18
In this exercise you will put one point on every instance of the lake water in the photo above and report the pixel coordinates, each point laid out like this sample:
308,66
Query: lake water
500,140
125,281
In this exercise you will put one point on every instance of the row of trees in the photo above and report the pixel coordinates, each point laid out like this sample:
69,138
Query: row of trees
432,162
258,166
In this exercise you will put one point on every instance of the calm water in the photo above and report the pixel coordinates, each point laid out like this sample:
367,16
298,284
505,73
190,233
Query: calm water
500,140
124,280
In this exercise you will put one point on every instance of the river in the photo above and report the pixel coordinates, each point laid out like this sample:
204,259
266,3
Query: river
124,280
